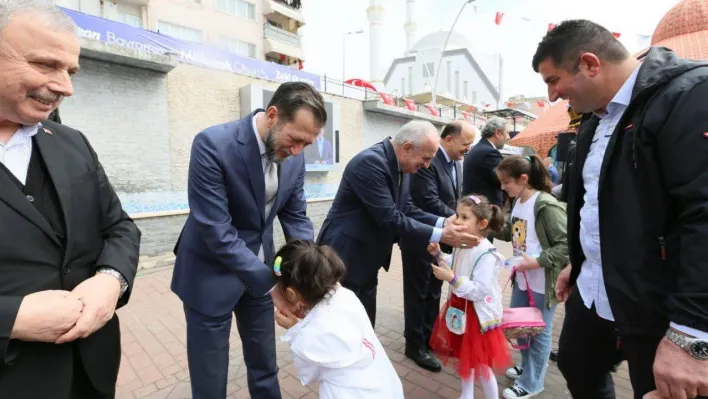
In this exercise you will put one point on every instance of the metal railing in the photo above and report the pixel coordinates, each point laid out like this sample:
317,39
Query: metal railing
281,35
340,88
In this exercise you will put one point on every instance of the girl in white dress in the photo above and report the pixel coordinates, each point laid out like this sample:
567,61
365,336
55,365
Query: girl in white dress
334,344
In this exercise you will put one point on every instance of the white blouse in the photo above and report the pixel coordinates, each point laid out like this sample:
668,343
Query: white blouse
336,346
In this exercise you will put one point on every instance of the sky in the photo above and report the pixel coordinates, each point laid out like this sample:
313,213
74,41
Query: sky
523,25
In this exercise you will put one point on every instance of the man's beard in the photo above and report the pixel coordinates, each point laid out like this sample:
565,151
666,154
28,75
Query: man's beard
271,148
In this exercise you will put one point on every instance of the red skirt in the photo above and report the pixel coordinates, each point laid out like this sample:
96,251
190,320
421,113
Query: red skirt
473,350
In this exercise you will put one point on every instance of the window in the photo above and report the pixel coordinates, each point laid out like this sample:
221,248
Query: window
244,49
240,8
474,97
403,86
410,80
457,84
465,93
180,32
449,76
131,20
429,70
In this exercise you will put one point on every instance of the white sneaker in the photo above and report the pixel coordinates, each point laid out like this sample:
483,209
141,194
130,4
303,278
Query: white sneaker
514,372
516,392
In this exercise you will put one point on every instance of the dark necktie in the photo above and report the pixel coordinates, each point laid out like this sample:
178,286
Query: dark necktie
451,165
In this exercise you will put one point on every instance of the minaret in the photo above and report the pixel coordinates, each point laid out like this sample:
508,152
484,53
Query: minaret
410,26
375,13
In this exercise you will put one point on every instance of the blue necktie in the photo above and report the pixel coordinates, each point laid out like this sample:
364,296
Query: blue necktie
452,173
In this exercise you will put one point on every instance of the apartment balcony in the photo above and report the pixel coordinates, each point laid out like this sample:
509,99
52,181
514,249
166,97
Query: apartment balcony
139,3
282,45
282,14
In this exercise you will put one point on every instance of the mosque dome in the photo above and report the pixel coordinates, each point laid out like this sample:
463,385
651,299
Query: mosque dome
436,41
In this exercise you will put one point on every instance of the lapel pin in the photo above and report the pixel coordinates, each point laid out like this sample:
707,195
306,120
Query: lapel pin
629,126
705,134
49,132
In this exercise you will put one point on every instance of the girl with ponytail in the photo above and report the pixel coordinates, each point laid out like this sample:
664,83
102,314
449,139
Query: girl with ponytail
537,230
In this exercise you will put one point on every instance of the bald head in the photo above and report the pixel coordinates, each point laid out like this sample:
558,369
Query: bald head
416,145
457,138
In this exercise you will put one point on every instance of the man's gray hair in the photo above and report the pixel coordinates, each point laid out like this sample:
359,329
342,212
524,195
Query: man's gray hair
494,124
56,18
415,132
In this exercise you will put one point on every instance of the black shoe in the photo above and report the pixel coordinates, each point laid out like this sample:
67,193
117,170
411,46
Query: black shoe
424,359
554,356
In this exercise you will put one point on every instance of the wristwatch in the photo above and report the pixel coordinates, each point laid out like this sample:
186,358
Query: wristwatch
697,348
115,273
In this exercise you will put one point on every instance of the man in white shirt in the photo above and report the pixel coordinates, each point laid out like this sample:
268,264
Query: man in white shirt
637,287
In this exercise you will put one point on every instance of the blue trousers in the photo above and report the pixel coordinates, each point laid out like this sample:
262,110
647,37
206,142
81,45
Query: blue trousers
534,360
208,349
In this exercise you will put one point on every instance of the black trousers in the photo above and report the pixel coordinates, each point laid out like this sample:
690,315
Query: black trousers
588,348
81,386
366,294
421,297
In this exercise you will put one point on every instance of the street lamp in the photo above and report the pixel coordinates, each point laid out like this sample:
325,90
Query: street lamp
430,75
344,52
442,52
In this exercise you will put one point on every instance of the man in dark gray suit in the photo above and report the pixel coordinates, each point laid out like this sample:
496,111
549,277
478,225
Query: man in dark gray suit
435,190
480,162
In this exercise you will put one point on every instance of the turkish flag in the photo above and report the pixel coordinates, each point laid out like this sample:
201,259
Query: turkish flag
616,35
551,27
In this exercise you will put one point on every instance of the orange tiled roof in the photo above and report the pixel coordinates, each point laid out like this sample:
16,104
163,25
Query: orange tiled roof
684,29
541,133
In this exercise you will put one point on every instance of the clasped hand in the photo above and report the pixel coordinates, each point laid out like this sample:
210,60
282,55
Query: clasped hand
64,316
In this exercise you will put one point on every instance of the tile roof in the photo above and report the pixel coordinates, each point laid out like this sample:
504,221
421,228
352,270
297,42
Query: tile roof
684,29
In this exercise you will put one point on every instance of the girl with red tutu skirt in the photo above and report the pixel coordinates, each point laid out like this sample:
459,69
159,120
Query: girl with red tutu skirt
467,333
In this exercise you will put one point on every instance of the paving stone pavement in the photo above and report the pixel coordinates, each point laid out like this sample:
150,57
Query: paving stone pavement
154,357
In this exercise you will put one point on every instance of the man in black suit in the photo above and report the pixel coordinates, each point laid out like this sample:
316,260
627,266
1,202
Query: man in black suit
373,209
68,251
435,190
478,174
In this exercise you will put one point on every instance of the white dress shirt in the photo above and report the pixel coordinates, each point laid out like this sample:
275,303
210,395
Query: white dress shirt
16,154
591,281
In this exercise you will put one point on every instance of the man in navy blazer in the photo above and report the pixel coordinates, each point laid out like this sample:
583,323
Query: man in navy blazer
226,247
478,174
373,209
435,190
320,152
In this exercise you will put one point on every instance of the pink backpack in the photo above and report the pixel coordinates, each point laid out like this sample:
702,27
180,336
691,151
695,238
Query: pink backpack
523,322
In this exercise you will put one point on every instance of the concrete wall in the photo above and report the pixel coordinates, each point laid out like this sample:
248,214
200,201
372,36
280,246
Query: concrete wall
123,111
201,97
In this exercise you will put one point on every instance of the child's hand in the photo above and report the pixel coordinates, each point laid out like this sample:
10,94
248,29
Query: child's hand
526,264
443,272
284,320
434,248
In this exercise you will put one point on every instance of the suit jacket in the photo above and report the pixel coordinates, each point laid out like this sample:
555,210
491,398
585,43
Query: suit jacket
217,250
32,259
479,176
370,212
433,191
312,153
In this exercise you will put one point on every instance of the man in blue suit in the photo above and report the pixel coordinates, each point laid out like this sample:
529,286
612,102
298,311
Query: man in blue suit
373,209
320,152
478,174
241,175
434,190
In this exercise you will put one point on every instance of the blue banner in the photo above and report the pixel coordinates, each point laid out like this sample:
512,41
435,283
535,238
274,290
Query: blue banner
126,36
